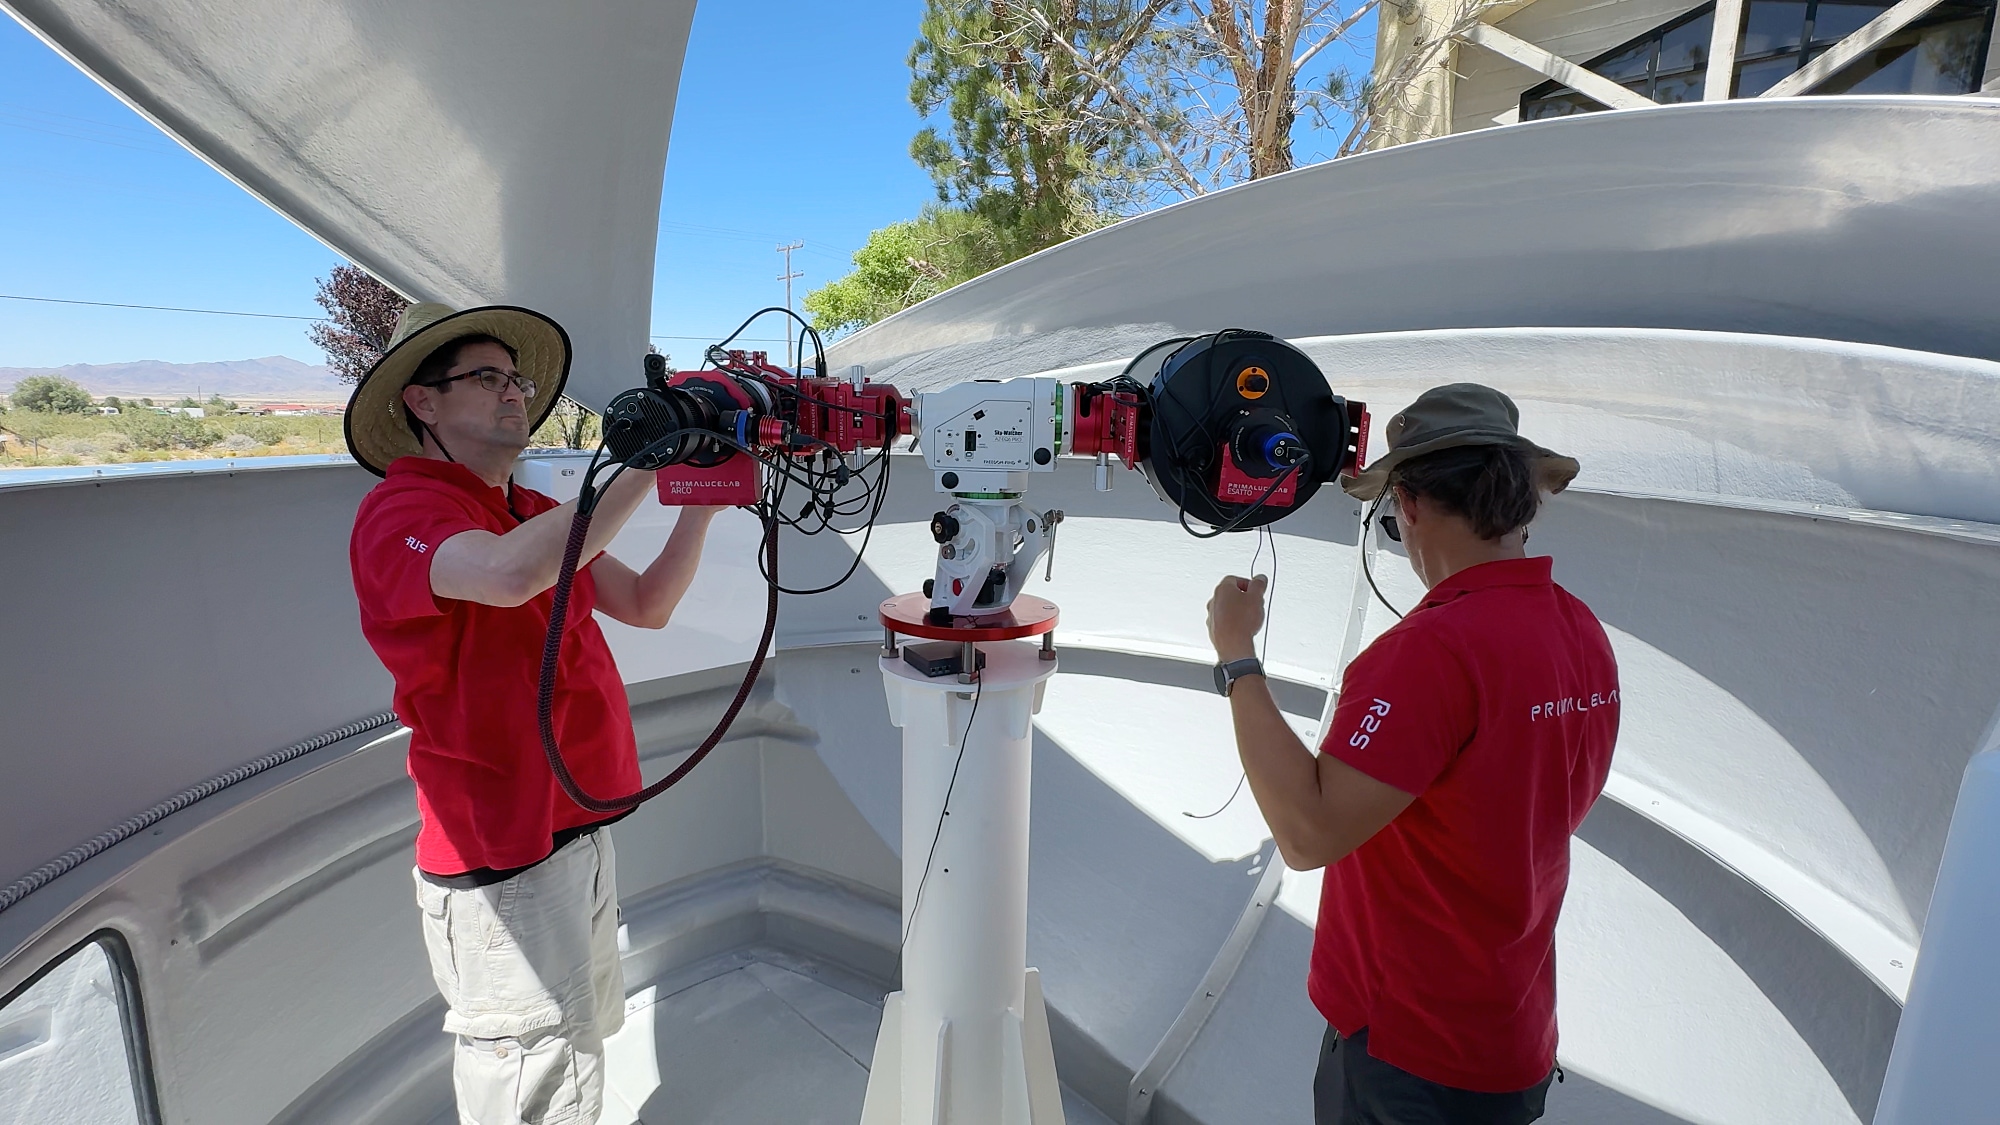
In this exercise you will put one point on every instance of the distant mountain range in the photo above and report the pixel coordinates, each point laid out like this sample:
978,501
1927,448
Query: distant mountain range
272,378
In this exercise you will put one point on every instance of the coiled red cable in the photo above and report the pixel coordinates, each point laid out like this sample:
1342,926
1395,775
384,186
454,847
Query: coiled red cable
545,702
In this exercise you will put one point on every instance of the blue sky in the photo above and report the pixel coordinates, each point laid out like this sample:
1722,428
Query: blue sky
97,205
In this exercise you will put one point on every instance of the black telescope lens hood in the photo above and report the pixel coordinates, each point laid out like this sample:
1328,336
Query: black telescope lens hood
1243,391
640,425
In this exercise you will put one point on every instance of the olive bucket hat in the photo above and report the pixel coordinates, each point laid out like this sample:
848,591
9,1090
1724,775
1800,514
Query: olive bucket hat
376,430
1455,415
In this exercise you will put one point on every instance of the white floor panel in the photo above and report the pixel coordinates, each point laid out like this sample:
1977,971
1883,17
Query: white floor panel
762,1042
735,1049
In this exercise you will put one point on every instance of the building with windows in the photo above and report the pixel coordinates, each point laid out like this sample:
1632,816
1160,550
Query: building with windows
1455,66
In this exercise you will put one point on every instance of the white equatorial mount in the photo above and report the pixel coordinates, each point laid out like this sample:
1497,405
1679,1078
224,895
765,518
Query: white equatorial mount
983,440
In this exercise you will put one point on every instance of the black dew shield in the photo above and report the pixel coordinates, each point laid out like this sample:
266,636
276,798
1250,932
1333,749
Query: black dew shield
1248,406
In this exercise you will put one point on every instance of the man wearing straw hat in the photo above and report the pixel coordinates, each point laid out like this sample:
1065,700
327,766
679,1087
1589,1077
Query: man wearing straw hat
1467,744
453,564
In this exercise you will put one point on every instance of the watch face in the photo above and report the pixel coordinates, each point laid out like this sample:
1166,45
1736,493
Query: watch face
1221,680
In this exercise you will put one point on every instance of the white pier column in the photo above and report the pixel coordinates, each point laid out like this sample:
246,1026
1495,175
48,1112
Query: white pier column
966,1042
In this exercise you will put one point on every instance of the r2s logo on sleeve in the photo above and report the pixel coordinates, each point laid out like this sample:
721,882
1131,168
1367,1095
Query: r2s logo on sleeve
1371,721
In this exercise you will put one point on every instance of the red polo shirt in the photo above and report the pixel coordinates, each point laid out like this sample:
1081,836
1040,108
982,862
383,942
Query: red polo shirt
466,677
1495,702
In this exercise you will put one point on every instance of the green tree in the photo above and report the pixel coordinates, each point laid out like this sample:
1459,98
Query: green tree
50,394
113,402
905,263
1029,140
571,425
31,426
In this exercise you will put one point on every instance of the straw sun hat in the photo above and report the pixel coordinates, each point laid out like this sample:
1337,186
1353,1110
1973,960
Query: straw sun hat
1455,415
376,430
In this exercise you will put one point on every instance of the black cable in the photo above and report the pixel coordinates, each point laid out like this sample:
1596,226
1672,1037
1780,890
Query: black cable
825,500
551,658
819,346
944,810
776,465
779,388
1236,522
1367,572
1264,648
881,497
1264,652
1240,779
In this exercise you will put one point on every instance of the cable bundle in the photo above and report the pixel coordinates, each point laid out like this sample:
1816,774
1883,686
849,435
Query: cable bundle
832,490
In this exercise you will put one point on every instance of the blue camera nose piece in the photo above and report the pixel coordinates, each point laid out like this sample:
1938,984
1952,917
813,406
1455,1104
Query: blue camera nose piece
1277,442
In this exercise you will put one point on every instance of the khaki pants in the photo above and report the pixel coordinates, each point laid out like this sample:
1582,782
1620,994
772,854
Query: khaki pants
529,970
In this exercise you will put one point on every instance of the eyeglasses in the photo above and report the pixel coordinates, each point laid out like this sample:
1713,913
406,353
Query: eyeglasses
1389,526
492,378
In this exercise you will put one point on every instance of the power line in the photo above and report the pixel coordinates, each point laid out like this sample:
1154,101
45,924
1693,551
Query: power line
711,339
281,316
154,308
669,226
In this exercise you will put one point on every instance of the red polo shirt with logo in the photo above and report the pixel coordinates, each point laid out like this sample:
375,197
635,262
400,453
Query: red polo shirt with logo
1495,702
466,677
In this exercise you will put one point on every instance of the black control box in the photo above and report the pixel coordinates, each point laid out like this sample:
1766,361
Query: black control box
939,658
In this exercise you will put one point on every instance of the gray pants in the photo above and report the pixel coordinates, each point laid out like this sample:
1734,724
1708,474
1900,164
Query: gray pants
1356,1088
529,971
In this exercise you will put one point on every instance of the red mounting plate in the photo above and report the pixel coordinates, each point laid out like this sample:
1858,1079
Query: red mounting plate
1027,617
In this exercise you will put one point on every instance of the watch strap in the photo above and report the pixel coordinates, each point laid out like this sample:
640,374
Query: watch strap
1226,675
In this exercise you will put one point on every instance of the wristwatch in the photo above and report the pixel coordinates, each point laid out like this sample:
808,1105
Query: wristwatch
1226,675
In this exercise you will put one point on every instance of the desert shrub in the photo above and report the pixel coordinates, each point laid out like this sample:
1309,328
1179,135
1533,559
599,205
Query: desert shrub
263,431
148,430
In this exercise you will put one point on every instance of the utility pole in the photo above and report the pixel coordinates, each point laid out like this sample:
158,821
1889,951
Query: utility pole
787,277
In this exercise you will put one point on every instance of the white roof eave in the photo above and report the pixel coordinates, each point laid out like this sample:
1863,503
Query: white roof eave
464,151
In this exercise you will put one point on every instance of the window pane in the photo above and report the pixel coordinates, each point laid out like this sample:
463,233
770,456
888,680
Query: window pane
1770,26
1627,65
1755,78
1561,104
62,1048
1833,21
1673,88
1686,47
1942,59
1948,61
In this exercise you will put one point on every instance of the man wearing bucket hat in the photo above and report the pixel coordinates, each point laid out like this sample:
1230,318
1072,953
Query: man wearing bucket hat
1467,744
453,564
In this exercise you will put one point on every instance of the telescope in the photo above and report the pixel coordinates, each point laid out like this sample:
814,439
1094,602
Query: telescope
1235,429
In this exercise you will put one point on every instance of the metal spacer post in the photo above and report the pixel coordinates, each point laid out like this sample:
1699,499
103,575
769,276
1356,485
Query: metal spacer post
1048,645
888,640
968,663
